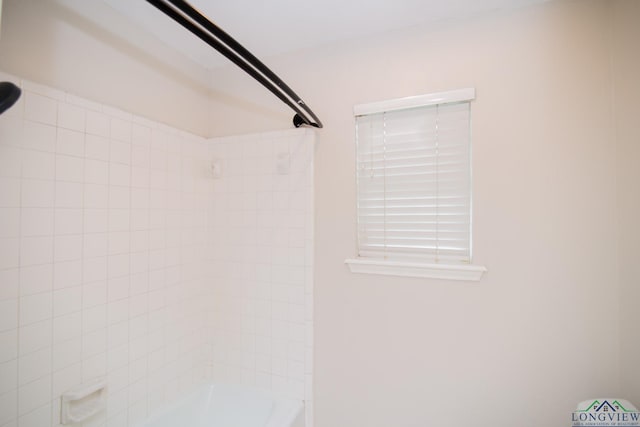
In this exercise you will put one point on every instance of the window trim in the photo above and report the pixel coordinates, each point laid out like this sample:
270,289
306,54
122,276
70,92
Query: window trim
459,95
415,269
465,272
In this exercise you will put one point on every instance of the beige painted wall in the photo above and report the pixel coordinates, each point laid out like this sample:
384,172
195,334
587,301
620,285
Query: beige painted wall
60,43
627,92
540,332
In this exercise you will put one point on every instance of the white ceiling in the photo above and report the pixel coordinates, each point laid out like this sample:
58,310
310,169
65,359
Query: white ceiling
278,26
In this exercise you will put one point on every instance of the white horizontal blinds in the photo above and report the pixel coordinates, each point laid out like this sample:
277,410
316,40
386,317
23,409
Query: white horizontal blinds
414,199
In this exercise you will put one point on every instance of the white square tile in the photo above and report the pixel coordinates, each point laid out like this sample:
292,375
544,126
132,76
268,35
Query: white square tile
8,408
119,242
157,239
34,394
119,220
139,177
36,279
36,164
139,198
156,300
96,172
119,152
67,327
95,245
137,369
67,274
35,308
9,192
37,222
138,412
8,314
119,197
40,108
8,376
9,284
157,218
68,221
94,318
68,248
67,353
95,269
139,348
96,220
66,379
118,356
139,220
118,289
34,250
96,147
38,136
34,365
96,196
94,294
69,195
140,265
67,301
118,332
138,306
36,336
94,343
121,129
141,135
118,381
94,367
38,193
40,417
69,168
97,123
71,117
11,132
70,143
158,200
158,160
140,156
118,266
8,345
9,222
12,159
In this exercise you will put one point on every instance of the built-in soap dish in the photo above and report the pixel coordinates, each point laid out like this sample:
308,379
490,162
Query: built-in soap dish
83,402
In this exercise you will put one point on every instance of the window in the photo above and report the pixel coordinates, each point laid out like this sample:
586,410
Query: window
414,186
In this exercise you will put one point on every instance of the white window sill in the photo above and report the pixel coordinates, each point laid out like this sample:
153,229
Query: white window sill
411,269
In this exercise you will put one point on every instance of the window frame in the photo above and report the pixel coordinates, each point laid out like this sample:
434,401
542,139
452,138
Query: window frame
448,271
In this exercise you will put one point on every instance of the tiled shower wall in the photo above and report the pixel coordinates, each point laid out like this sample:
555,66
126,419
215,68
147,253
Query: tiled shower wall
261,249
103,219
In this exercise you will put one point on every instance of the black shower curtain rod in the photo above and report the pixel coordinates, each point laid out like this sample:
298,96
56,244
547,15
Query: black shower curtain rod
187,16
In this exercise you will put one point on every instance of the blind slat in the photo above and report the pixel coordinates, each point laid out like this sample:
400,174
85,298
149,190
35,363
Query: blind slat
414,192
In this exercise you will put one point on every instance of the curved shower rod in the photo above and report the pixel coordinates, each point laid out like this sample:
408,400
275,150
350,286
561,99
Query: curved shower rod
187,16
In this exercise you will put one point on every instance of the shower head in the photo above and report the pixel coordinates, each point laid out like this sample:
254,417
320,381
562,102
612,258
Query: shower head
9,94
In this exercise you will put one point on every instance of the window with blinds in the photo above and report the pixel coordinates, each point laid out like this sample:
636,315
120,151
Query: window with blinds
414,179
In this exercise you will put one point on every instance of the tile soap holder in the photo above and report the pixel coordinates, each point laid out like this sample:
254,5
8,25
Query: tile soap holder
83,402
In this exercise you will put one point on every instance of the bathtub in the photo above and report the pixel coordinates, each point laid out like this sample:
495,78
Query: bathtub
220,405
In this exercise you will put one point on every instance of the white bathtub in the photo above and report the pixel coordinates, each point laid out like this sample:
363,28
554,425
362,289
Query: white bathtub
217,405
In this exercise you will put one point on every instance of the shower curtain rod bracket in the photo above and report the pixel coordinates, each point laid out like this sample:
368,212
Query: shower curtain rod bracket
297,120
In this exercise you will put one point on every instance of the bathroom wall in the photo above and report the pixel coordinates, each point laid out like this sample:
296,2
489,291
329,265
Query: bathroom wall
88,49
540,331
626,68
260,322
103,220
